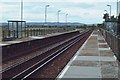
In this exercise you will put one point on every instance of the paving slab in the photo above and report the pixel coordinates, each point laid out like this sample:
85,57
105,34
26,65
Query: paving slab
103,49
88,58
78,78
106,58
101,41
106,53
103,46
83,72
89,52
85,63
109,72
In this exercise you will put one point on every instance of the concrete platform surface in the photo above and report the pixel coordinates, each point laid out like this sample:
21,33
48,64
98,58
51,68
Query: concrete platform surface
93,61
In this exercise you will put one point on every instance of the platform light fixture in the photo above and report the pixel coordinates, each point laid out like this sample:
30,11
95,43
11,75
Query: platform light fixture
46,13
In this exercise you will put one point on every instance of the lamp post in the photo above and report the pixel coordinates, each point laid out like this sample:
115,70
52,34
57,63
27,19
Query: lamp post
22,20
117,10
21,10
110,10
66,18
106,11
58,16
46,13
110,26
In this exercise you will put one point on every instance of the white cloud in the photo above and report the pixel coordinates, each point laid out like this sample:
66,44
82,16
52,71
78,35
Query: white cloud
58,1
78,10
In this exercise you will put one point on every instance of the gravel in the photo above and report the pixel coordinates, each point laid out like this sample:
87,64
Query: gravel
51,70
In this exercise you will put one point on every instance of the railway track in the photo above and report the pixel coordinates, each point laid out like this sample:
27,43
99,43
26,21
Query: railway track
27,69
27,56
39,53
34,48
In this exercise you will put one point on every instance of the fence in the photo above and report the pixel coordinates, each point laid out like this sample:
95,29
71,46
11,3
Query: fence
113,41
35,32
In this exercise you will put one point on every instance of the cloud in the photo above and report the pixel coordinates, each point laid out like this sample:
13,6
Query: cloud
75,1
79,10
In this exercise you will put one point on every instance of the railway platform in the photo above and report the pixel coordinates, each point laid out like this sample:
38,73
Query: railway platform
4,43
93,61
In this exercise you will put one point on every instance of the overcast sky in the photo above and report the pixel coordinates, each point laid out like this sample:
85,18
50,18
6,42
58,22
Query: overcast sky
83,11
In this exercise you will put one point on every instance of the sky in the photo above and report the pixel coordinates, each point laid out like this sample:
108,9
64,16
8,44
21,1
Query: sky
82,11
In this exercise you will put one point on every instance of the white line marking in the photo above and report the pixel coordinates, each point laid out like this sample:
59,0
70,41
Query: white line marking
102,43
74,57
63,72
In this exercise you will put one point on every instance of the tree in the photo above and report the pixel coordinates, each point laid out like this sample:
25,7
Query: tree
113,18
106,16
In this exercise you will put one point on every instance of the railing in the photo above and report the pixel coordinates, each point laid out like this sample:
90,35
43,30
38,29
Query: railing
113,41
10,35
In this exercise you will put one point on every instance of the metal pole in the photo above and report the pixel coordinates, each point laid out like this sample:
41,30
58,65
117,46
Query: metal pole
21,10
46,13
58,16
66,19
110,10
21,16
117,10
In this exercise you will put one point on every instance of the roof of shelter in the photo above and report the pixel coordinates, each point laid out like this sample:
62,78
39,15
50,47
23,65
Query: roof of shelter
15,21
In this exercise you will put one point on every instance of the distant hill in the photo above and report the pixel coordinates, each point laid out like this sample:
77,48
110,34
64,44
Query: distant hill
55,24
48,24
3,24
